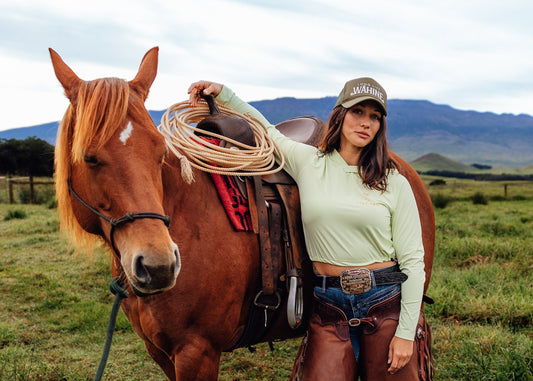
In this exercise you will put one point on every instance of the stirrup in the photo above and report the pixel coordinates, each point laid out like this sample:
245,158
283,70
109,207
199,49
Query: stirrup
295,303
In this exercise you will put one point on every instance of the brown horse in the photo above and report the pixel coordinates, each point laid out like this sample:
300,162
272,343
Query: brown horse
115,182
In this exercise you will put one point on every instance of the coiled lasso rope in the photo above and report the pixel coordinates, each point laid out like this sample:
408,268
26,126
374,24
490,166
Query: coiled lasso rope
193,151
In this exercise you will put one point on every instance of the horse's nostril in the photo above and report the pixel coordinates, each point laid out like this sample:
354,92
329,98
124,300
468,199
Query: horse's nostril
177,266
140,270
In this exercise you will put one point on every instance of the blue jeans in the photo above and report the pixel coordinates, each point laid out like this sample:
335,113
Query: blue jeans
356,305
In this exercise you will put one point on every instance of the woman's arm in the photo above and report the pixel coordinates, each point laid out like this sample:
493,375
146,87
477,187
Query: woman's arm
296,154
407,239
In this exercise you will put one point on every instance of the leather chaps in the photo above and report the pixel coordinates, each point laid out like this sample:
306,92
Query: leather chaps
326,352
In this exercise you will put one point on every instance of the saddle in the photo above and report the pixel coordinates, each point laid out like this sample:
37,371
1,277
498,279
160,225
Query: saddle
231,126
274,205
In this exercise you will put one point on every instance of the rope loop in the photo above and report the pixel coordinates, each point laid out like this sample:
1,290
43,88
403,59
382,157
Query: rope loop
116,288
178,127
128,217
166,221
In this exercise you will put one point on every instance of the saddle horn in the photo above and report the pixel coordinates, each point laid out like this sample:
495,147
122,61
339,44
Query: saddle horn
210,99
233,127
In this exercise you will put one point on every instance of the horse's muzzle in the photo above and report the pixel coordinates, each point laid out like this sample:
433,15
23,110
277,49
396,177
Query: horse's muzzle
151,274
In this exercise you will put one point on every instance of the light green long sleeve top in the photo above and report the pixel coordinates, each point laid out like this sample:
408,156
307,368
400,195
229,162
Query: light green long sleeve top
346,223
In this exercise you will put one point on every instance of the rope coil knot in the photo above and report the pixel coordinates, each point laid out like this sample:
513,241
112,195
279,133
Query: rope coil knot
116,288
128,217
178,128
166,221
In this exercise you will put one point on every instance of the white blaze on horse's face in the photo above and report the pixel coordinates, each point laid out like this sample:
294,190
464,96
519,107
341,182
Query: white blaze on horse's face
126,133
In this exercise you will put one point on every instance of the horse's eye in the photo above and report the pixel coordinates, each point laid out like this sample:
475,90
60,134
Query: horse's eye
91,160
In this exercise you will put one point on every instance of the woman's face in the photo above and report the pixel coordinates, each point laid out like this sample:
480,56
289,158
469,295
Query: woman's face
360,126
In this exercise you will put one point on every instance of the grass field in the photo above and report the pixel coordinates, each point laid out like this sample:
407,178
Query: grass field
55,303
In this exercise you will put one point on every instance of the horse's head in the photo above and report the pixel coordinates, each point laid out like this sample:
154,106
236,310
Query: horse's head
109,158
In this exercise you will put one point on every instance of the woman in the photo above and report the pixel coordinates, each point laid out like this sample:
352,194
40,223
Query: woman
361,227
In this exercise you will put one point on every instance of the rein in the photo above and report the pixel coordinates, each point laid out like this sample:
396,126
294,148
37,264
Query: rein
116,222
120,293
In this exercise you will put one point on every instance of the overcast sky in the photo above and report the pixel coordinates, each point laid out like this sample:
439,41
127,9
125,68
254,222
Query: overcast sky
474,54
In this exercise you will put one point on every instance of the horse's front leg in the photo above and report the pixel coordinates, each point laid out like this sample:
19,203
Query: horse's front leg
196,359
162,359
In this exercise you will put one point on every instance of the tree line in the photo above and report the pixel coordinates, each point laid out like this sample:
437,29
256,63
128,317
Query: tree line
29,157
479,176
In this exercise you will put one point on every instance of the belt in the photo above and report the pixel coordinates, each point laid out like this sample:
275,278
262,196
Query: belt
356,281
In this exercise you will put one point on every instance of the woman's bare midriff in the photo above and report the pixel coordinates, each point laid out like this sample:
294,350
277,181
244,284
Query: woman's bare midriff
321,268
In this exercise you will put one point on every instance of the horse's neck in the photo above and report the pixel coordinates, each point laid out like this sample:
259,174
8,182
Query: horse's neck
179,194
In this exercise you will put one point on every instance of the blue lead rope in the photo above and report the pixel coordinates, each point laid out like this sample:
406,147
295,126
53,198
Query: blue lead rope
120,293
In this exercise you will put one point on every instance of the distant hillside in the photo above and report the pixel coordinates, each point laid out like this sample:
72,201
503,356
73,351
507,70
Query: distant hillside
436,162
415,128
419,127
527,169
47,132
281,109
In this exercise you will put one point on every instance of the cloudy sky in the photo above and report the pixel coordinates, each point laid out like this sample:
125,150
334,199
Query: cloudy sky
474,55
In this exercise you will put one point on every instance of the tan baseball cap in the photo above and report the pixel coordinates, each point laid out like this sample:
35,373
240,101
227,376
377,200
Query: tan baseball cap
361,89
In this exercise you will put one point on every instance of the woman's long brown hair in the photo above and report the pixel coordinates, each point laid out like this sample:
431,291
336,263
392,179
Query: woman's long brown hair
374,162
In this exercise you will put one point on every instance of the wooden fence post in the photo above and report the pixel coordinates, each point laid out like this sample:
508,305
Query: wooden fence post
10,186
31,191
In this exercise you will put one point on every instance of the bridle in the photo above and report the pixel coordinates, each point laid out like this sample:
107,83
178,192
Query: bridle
118,282
116,222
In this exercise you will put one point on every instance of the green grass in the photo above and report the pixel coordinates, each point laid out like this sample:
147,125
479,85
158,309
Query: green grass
483,287
55,303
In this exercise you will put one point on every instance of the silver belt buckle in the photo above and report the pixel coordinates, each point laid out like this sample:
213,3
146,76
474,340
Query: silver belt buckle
356,281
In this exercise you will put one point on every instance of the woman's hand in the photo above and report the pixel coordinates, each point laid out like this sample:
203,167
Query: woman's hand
206,86
400,352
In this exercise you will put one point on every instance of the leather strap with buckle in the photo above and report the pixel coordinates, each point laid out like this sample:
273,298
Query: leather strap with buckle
357,281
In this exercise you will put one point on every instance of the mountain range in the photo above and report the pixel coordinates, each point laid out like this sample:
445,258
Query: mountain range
415,128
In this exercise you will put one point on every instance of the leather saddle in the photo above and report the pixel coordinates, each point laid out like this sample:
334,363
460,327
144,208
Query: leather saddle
232,127
274,205
305,129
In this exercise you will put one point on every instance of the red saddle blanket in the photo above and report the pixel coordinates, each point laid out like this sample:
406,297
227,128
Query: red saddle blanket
234,202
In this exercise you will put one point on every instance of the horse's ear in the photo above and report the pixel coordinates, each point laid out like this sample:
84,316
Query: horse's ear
68,79
147,72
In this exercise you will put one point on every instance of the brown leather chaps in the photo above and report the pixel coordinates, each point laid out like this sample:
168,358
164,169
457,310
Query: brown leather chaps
326,352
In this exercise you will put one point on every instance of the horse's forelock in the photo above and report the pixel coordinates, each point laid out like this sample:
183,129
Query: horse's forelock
101,109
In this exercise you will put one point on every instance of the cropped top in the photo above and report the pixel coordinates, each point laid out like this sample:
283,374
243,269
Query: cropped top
346,223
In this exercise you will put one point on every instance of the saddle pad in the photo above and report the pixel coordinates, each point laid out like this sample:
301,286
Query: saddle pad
234,202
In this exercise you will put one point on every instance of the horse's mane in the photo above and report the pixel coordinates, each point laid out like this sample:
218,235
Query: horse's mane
95,113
